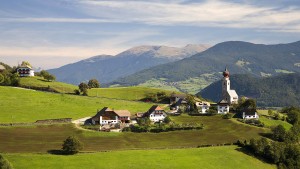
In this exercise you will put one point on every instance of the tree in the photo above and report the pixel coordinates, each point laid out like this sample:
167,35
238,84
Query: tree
83,87
4,163
26,63
72,145
46,75
167,120
279,133
93,83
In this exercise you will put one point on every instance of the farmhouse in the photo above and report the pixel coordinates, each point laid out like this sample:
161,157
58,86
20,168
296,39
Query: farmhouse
155,114
178,99
25,71
228,96
202,106
250,115
108,116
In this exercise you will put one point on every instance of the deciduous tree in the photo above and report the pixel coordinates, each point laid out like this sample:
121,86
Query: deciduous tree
72,145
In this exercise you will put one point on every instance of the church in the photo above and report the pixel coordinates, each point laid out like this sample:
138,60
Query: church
228,96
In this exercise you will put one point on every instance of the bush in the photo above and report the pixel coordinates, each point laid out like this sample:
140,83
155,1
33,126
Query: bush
227,116
167,120
93,83
4,163
77,92
71,145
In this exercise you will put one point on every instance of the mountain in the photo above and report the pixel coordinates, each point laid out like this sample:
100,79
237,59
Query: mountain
107,68
196,72
276,91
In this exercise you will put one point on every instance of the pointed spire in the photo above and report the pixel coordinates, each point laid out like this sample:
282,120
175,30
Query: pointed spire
226,72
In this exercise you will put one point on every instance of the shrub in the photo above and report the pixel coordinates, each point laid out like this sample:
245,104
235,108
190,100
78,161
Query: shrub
4,163
72,145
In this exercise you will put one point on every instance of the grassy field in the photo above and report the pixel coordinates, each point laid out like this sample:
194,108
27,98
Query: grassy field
39,82
126,93
22,105
272,123
208,158
48,137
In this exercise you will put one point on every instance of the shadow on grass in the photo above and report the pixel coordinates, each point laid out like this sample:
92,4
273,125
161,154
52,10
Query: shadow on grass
44,80
267,135
56,152
250,153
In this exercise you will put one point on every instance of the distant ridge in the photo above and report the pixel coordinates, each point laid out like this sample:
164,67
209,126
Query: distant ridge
241,58
107,68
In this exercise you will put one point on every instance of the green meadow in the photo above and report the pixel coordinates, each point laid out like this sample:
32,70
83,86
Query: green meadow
208,158
50,137
125,93
39,82
23,105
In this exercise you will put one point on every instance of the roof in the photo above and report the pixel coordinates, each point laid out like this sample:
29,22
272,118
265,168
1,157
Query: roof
250,112
26,66
2,67
202,103
152,109
178,95
223,102
232,93
99,113
122,113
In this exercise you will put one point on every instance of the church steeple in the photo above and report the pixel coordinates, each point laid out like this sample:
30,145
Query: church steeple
226,72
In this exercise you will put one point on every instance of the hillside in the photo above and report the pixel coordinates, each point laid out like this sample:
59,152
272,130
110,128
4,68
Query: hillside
276,91
107,68
203,68
40,83
208,158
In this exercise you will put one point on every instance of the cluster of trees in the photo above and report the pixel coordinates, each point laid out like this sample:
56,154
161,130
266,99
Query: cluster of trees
283,149
83,87
46,75
9,76
159,97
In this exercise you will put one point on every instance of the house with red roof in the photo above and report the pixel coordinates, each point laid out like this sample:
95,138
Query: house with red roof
109,116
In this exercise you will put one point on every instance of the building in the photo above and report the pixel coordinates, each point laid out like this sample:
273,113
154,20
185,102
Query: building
25,71
228,96
250,115
202,106
177,99
223,107
155,114
108,116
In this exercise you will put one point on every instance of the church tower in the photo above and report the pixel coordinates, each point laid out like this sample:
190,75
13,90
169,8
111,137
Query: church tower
226,85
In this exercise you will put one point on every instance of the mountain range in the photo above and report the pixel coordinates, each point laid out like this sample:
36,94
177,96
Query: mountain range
107,68
198,71
276,91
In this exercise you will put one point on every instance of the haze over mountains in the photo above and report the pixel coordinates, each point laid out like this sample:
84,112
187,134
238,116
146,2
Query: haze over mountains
107,68
275,91
201,69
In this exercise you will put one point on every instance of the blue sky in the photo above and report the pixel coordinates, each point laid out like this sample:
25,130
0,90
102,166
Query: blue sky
50,33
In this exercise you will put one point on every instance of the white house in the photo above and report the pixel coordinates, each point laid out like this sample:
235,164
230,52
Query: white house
155,114
108,116
202,106
227,94
25,71
223,107
250,115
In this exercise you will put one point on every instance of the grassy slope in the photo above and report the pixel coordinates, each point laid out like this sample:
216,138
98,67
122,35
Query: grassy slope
270,122
35,82
44,138
22,105
126,93
209,158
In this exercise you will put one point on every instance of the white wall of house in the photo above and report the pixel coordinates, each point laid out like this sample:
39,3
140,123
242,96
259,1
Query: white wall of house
223,109
203,108
247,117
102,122
157,117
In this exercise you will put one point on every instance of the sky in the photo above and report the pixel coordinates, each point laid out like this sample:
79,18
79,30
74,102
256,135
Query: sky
51,33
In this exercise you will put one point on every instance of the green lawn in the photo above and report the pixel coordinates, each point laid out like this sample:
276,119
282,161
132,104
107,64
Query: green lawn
208,158
43,138
39,82
272,123
125,93
23,105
